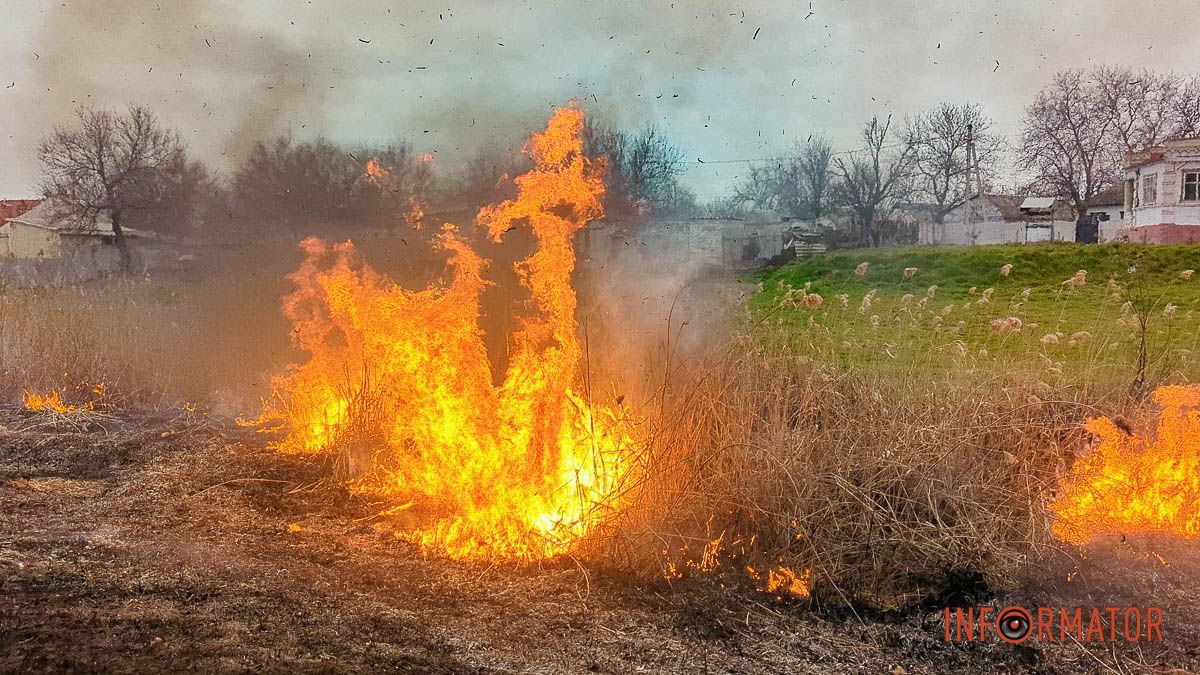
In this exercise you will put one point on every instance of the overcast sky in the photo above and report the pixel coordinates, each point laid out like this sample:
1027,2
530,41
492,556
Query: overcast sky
726,80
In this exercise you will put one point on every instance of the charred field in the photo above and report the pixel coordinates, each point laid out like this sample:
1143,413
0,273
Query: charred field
176,543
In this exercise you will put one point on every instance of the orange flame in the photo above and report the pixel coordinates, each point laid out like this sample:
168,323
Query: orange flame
52,401
376,173
1130,484
522,470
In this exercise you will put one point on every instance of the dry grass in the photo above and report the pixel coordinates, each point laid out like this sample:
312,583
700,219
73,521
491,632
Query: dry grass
890,484
890,489
151,344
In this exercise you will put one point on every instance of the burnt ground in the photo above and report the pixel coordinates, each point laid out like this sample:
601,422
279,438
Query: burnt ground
158,544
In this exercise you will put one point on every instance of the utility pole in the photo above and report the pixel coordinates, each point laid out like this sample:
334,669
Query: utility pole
972,163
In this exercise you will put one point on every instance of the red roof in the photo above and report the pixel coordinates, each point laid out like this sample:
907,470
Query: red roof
11,208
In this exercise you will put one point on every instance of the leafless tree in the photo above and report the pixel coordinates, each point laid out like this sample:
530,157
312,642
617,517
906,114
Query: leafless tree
1066,142
644,168
114,164
873,179
938,140
1139,104
296,185
487,176
395,191
796,184
1185,108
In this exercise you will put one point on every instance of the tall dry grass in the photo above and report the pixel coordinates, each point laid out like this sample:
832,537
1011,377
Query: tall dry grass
889,489
213,344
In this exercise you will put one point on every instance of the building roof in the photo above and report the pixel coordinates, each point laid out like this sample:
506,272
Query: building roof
11,208
1174,145
1008,205
47,217
1113,196
1038,203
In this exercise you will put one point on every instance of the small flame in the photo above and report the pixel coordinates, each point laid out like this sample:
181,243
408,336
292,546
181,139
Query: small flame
376,173
1132,484
51,401
781,580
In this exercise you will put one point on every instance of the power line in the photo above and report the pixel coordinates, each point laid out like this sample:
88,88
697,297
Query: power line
689,165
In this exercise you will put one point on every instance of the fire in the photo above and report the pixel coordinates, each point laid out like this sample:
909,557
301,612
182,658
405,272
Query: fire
51,401
376,173
399,385
1130,484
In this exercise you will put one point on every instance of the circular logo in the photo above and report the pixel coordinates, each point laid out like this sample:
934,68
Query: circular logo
1013,624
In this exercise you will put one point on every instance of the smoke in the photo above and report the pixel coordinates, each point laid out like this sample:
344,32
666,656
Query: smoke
202,66
450,80
644,311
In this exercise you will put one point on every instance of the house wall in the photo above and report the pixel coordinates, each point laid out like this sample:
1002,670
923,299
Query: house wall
26,241
1165,233
1167,208
1110,228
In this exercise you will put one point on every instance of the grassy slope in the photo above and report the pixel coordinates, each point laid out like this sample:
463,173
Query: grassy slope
911,339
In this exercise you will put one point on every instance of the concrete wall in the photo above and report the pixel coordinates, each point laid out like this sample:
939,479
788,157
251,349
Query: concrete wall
998,231
27,241
729,244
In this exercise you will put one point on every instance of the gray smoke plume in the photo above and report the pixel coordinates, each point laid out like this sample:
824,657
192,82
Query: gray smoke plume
201,66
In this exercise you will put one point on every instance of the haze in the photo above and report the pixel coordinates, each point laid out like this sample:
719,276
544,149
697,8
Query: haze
727,81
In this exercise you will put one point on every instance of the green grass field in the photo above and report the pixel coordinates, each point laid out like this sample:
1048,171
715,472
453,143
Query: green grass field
986,322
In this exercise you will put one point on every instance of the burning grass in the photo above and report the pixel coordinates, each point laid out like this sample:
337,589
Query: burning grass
399,385
870,490
883,431
1132,483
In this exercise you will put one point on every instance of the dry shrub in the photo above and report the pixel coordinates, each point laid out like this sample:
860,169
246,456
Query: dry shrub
888,488
213,343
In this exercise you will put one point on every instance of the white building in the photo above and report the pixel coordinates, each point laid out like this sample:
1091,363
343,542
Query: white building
1002,219
1162,193
1107,211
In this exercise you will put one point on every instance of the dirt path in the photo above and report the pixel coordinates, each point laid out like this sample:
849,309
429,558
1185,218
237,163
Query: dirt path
163,546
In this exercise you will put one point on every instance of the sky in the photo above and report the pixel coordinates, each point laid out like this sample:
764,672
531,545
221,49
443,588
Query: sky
727,81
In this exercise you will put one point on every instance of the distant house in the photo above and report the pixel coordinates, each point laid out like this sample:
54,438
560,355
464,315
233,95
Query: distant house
1162,192
41,232
1002,219
1106,211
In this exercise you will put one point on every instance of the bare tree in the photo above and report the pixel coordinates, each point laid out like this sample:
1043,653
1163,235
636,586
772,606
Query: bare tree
644,168
796,184
486,177
1185,108
296,185
873,179
938,139
1139,104
816,158
114,164
1066,143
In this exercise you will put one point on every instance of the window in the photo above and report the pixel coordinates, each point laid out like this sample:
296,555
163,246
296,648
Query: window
1150,189
1191,186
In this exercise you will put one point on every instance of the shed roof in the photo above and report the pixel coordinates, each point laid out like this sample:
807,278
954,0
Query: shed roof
48,217
11,208
1112,196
